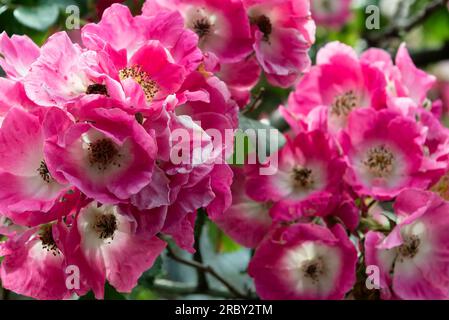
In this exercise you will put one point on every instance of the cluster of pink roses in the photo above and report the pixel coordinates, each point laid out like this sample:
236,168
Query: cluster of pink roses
89,138
87,134
363,130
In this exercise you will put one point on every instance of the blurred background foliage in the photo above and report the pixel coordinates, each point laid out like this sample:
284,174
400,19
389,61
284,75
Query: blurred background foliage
38,18
428,40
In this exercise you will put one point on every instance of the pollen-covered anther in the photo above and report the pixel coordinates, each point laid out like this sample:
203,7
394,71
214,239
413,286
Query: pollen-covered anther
103,153
344,103
105,225
44,172
149,86
48,242
380,161
302,178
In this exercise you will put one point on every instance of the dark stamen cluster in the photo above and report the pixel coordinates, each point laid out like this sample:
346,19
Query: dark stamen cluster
43,172
313,270
264,25
103,153
48,242
105,225
202,27
303,178
97,88
344,103
380,161
410,247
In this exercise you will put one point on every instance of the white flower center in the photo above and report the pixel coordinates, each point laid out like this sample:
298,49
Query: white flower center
103,153
380,161
303,178
344,103
312,268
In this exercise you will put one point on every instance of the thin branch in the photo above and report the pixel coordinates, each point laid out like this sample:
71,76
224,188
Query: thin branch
256,101
206,269
371,204
363,208
397,30
418,19
373,225
426,57
203,285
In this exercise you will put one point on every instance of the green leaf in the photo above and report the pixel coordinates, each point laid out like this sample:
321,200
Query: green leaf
88,296
111,294
62,4
220,241
275,140
387,206
141,293
9,24
39,17
436,28
391,216
3,8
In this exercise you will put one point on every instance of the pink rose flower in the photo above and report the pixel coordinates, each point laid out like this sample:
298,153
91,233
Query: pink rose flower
222,26
108,155
413,258
307,178
337,85
105,244
283,31
304,261
384,153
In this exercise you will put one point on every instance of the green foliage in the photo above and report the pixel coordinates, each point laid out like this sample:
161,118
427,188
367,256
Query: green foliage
109,294
436,28
135,5
220,241
143,293
271,98
39,17
36,18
